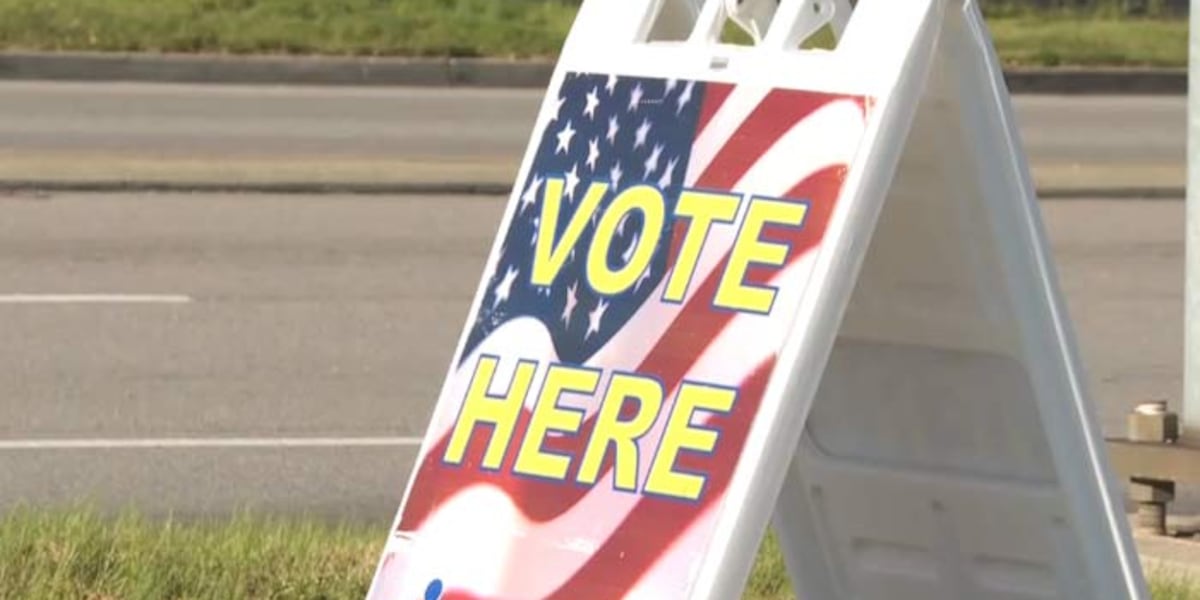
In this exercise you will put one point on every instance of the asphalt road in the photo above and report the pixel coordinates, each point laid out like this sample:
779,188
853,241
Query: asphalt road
250,121
57,130
268,319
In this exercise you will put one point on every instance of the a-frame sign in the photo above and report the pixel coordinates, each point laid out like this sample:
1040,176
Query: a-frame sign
748,285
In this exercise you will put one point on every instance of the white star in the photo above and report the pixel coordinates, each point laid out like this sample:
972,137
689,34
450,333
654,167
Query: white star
635,98
564,138
536,229
652,162
669,174
572,181
530,195
504,290
642,132
644,277
570,308
628,255
616,175
593,153
593,100
611,84
594,319
613,128
558,108
671,83
686,96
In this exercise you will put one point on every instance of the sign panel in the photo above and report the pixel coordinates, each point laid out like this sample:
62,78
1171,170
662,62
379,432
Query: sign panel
629,323
811,283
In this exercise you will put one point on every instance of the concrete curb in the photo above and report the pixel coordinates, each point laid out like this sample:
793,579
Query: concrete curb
36,187
472,72
39,187
275,70
1125,192
1116,81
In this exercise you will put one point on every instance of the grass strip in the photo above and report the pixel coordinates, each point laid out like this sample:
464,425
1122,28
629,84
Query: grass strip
68,554
1079,41
511,28
59,555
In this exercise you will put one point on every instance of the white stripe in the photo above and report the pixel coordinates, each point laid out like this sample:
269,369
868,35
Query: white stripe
184,443
730,117
94,299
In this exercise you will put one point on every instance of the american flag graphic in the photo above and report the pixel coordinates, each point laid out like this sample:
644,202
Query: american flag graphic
466,533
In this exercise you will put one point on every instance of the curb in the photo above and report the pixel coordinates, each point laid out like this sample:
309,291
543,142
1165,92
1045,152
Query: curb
275,70
1116,81
39,187
1123,192
469,72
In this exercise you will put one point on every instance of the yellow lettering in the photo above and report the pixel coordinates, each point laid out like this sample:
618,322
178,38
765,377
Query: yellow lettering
649,201
480,407
548,256
733,293
702,209
549,416
680,435
621,435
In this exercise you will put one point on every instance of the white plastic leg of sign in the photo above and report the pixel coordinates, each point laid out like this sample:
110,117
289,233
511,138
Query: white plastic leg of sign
951,451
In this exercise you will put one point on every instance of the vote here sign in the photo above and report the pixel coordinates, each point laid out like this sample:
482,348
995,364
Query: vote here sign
630,321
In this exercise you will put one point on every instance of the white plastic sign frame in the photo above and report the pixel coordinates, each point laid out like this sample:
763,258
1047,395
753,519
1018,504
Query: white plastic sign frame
923,430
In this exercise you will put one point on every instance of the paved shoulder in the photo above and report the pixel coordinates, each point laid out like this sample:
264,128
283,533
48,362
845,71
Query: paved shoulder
459,138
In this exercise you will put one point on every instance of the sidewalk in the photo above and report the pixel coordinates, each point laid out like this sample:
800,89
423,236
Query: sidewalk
1169,557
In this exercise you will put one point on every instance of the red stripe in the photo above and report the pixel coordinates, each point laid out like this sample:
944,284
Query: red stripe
768,122
715,95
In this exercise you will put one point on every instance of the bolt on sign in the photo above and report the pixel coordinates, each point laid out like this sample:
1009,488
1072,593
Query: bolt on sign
800,283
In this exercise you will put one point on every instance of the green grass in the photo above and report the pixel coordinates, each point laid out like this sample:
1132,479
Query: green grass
1063,40
79,554
503,28
1167,586
405,27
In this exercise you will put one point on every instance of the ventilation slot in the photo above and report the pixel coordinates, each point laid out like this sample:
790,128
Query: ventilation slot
796,24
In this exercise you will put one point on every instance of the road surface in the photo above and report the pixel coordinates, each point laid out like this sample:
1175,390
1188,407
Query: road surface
155,132
139,328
